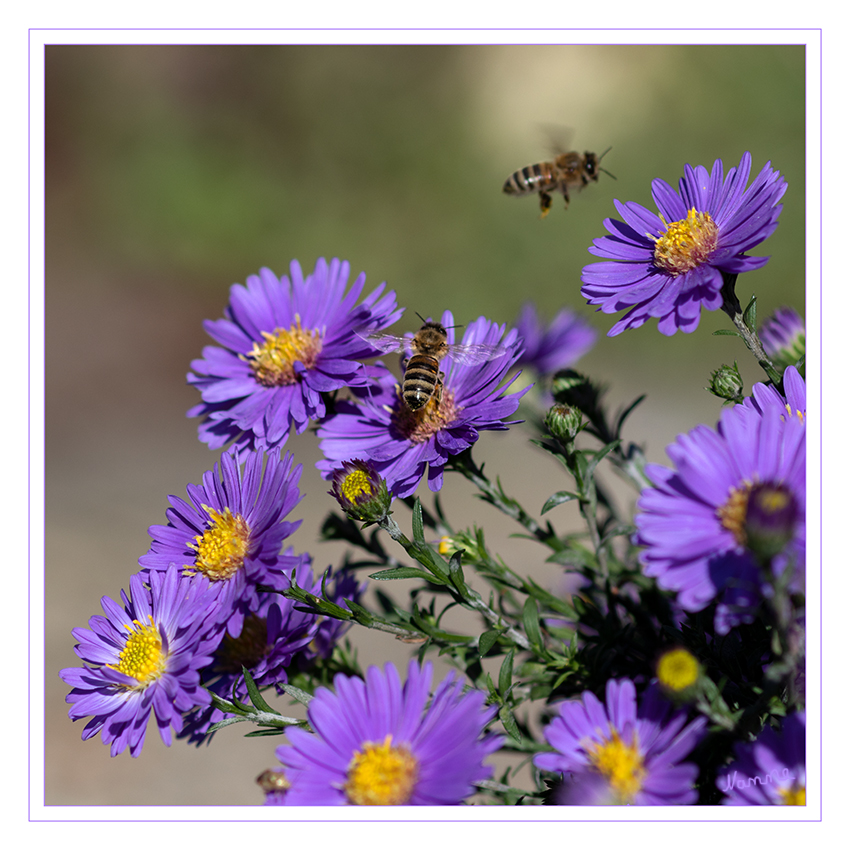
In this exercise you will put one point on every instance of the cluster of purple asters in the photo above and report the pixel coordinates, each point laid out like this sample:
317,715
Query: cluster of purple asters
197,612
724,526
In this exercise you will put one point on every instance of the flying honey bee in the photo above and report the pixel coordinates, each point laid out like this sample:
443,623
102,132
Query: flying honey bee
423,379
569,170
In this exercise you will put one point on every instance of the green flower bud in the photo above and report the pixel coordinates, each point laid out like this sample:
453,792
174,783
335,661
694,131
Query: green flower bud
726,383
563,422
571,387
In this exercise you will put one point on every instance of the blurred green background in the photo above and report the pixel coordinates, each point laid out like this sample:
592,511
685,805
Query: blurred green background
175,171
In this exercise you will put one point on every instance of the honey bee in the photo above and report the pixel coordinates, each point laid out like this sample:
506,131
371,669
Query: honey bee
571,169
423,379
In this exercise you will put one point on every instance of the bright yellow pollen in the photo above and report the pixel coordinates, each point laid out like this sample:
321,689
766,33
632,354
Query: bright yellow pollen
355,485
223,546
446,546
686,244
381,775
142,656
733,513
273,361
621,764
677,669
800,414
793,796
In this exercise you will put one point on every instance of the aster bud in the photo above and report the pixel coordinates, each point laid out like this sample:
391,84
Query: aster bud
571,387
770,519
563,422
783,336
726,383
361,491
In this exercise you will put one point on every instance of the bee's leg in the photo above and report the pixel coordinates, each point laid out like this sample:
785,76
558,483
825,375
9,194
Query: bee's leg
545,204
438,390
566,198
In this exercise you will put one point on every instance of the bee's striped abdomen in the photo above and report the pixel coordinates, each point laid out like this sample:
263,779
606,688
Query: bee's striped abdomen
533,178
420,379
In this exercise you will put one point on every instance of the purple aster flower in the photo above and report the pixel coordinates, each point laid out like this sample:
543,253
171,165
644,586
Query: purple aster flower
285,343
402,443
231,531
697,520
275,634
770,771
768,400
618,754
555,347
145,657
377,742
672,268
783,336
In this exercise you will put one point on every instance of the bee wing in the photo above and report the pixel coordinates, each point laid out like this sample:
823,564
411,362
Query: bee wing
558,137
469,355
385,342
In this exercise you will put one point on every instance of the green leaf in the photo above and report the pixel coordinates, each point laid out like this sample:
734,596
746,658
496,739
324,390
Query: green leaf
254,693
594,461
531,623
228,721
486,641
456,574
508,721
296,693
418,525
622,417
725,332
406,572
558,499
750,315
506,673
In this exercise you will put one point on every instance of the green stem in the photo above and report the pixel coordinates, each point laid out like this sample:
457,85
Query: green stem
493,494
471,600
732,307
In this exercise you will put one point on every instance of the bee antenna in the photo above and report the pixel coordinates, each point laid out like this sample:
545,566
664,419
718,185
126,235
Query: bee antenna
605,151
605,171
424,320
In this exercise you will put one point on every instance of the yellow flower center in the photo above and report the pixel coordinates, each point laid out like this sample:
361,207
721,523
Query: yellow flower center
733,513
420,425
381,775
621,764
273,361
686,244
677,670
795,795
357,486
223,546
142,656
